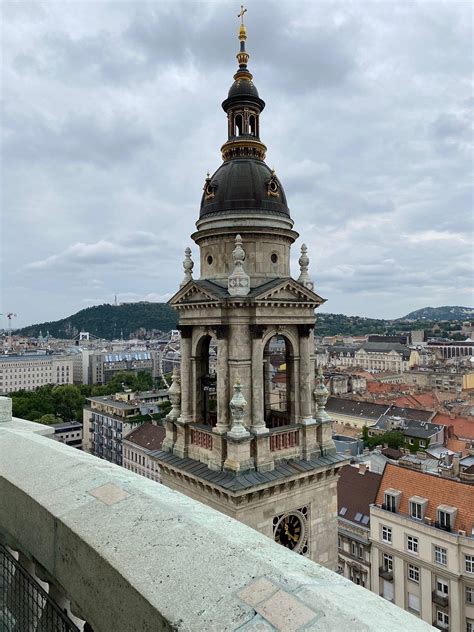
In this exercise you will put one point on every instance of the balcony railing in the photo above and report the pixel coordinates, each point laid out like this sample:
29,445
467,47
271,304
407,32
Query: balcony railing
441,600
93,539
24,605
284,439
201,438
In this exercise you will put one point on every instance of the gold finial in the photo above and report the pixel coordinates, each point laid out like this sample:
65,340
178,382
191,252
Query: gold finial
242,30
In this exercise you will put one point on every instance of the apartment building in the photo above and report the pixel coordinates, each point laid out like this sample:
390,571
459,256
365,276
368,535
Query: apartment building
422,556
109,418
357,414
69,432
28,371
356,491
137,447
104,365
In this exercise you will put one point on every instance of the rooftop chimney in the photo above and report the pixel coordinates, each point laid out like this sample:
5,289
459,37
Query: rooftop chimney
362,468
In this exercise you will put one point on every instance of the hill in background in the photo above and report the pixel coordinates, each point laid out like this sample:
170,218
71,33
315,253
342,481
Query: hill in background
447,312
110,321
143,319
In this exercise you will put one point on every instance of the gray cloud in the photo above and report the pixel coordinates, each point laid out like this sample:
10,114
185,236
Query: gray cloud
112,118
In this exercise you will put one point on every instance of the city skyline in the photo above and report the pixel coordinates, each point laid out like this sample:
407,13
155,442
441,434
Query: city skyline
113,119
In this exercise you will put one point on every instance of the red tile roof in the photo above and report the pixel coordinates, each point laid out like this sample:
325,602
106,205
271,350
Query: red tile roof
427,401
463,427
147,436
438,491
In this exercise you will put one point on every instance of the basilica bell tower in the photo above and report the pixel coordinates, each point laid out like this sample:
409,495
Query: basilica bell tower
248,433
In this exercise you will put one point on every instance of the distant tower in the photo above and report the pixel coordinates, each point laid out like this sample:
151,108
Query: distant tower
255,448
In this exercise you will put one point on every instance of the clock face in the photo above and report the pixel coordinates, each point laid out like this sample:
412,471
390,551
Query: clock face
289,531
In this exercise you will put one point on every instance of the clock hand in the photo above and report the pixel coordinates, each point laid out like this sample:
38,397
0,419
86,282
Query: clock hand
287,533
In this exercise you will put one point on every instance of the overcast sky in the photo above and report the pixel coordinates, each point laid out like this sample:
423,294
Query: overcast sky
112,117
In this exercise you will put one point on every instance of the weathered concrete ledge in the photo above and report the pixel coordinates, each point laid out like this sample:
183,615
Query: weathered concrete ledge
135,556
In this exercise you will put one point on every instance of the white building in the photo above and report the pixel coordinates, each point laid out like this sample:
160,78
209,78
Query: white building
28,371
109,418
137,447
422,556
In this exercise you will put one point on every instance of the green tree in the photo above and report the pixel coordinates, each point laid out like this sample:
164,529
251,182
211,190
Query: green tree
365,435
48,419
143,381
68,402
393,438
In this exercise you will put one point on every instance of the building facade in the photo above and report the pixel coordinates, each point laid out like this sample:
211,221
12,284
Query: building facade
423,546
269,462
28,371
103,365
137,447
108,419
356,491
70,433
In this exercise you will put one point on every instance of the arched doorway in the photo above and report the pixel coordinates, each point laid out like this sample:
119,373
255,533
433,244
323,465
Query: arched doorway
277,382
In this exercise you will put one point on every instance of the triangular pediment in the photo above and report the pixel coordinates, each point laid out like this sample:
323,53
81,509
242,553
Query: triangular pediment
194,292
287,290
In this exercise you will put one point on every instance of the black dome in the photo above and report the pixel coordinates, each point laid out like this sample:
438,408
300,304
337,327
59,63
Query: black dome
242,185
243,90
241,87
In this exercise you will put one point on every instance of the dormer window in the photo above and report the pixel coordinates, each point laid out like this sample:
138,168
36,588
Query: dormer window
418,507
446,517
392,500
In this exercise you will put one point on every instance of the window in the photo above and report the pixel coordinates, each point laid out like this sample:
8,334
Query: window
353,548
469,594
413,602
390,501
361,552
387,562
469,625
446,519
414,573
442,618
440,555
339,542
442,587
469,563
386,534
412,544
415,511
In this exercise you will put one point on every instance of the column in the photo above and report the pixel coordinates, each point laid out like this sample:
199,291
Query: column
222,380
306,378
186,389
180,447
258,421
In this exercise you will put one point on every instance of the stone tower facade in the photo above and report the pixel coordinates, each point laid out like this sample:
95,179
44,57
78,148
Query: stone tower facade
248,433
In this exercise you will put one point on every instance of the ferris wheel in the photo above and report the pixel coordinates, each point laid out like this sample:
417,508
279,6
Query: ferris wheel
170,355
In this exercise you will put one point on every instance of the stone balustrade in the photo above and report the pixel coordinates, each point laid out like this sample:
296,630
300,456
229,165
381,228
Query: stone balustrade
284,439
201,438
124,553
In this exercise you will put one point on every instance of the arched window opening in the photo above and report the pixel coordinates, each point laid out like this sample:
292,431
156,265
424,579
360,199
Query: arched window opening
239,125
277,378
252,125
206,381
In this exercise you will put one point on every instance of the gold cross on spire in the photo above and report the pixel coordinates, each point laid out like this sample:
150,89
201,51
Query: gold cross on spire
242,13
